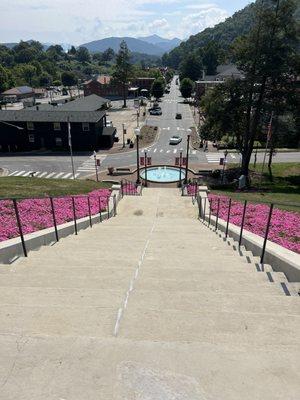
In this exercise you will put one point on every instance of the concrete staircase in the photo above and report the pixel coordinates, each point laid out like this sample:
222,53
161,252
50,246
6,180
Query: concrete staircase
148,305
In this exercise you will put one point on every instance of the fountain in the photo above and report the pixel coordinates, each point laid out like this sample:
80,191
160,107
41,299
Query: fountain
164,174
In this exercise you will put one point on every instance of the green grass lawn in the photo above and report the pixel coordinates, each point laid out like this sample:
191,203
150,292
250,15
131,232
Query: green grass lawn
38,187
284,187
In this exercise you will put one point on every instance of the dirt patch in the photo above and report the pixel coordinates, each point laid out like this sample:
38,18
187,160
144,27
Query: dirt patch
148,135
138,213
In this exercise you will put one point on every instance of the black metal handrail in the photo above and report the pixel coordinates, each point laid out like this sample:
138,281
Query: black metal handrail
216,200
53,212
129,188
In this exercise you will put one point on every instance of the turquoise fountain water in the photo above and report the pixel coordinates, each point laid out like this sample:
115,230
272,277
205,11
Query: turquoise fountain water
163,174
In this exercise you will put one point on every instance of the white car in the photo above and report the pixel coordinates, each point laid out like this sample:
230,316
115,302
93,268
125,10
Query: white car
175,139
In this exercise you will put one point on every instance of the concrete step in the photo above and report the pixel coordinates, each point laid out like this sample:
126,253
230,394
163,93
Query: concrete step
220,286
266,303
57,297
62,321
210,327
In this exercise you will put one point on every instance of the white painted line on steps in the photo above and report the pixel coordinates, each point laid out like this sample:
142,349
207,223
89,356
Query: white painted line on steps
131,286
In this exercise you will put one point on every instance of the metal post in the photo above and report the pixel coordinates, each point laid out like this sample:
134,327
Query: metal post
89,207
70,147
108,198
216,226
209,217
187,159
228,217
146,183
20,227
74,216
266,234
100,212
137,161
123,126
54,219
200,207
115,205
180,165
242,225
96,166
204,209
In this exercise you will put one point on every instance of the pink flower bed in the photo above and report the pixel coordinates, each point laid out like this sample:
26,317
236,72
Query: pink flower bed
36,214
285,225
192,190
129,188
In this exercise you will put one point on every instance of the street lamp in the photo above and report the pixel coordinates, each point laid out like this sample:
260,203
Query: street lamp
187,155
146,168
180,165
124,133
70,147
137,132
96,166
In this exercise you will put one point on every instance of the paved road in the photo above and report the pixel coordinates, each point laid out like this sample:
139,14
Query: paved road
59,166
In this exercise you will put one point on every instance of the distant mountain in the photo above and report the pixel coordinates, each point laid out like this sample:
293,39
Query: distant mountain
164,44
65,46
134,45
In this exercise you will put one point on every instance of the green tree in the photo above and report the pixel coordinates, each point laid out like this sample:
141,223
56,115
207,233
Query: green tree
191,67
157,89
4,80
83,55
186,88
210,57
68,78
123,69
29,72
45,79
108,55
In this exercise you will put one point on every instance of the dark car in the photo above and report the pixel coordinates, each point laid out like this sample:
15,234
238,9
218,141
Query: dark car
178,116
155,111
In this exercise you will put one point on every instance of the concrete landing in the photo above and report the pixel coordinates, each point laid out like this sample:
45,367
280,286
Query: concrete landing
149,305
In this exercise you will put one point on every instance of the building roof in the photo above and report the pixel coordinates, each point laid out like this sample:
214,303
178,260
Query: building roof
18,91
228,70
31,115
88,103
103,79
108,131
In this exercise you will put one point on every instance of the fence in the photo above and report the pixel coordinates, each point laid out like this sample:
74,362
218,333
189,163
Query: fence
190,189
264,219
20,216
130,188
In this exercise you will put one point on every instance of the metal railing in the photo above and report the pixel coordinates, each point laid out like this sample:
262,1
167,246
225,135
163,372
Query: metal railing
129,188
190,189
208,207
95,205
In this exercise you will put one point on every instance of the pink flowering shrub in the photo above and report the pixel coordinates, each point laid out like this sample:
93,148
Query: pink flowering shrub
36,214
192,190
284,228
129,188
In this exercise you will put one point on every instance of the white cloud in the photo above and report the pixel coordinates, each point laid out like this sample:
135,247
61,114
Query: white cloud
159,24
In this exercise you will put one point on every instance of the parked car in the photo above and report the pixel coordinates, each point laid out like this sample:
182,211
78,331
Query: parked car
155,111
178,116
109,123
175,139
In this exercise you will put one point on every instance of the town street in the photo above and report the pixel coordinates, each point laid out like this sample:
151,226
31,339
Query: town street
58,165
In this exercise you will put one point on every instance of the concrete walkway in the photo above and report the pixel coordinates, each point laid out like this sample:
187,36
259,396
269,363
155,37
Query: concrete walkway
148,305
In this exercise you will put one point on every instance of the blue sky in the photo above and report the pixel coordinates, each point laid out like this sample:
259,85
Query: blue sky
79,21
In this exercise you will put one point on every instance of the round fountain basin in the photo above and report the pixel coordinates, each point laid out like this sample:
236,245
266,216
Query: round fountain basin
163,174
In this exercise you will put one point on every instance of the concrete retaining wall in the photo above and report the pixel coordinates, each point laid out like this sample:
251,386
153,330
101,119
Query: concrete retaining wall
12,248
280,258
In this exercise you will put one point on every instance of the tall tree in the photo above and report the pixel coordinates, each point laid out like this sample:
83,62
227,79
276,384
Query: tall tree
123,69
191,67
186,88
157,89
266,56
83,54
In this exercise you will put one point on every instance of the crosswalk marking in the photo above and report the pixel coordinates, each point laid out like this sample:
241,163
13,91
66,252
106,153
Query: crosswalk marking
13,173
214,157
66,176
20,173
41,175
168,151
175,151
58,175
154,151
50,175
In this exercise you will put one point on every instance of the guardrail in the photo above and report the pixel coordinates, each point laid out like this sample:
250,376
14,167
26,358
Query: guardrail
212,206
54,211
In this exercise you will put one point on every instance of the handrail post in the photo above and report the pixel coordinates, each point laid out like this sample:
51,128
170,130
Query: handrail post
20,227
200,207
204,209
210,206
122,192
266,234
242,225
100,212
89,207
54,219
74,216
228,217
217,218
108,198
